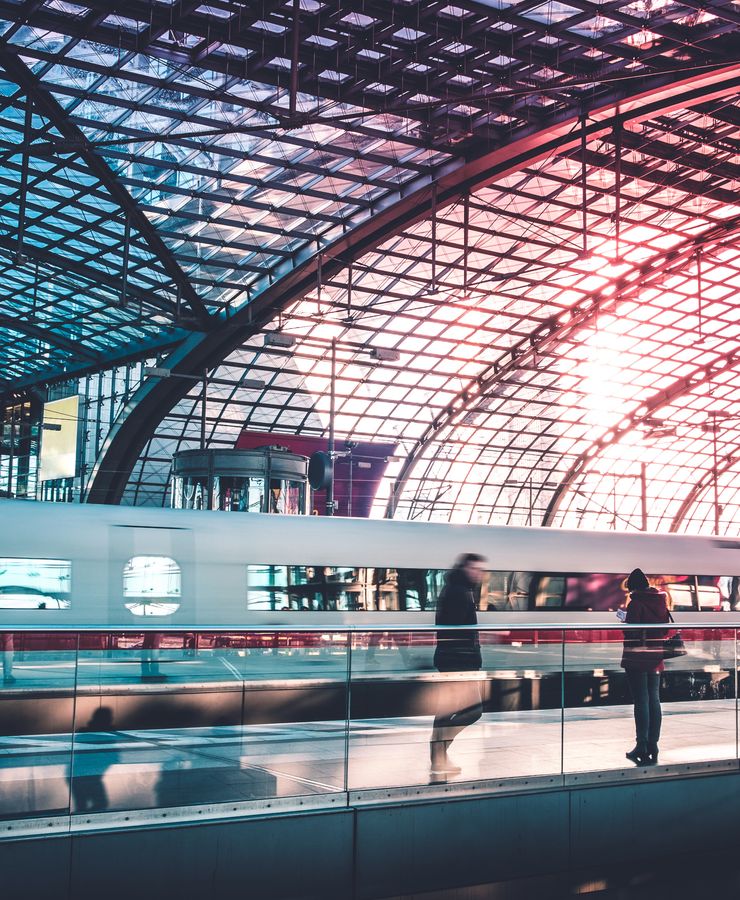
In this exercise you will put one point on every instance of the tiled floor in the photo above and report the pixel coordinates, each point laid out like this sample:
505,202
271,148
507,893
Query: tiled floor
132,770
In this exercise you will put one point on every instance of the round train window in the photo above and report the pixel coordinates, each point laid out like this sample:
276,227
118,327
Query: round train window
152,585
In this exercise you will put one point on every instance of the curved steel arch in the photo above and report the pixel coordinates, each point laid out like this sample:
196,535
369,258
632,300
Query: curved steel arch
704,483
550,333
414,202
701,375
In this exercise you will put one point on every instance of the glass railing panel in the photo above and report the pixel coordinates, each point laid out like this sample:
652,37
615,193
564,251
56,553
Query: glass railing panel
177,720
419,715
294,720
36,716
685,705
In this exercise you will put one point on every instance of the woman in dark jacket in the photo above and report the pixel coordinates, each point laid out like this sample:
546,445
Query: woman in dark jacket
642,660
459,703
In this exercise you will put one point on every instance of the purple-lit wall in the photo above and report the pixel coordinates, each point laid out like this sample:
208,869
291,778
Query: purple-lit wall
368,467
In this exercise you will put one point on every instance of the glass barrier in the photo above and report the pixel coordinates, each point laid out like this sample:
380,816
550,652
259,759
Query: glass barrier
37,708
99,728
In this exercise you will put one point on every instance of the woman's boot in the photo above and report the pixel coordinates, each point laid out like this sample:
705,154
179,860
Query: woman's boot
639,754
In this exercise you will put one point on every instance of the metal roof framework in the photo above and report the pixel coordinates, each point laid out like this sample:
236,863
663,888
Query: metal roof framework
543,171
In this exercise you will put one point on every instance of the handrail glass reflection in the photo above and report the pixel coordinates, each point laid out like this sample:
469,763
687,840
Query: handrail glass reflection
99,728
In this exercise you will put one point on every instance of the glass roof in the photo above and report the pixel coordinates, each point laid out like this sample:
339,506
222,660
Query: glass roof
175,161
542,376
163,170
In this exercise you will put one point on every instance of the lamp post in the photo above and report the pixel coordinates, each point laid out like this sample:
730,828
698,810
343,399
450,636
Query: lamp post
324,462
712,427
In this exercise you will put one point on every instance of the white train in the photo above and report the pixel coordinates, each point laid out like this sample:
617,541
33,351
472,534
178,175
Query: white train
119,567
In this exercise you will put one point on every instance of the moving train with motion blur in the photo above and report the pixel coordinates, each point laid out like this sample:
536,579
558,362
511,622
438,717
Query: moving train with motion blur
128,568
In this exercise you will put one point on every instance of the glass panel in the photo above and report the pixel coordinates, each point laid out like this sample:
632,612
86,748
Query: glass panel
235,494
151,584
600,592
318,588
191,493
422,716
175,720
36,714
35,583
615,700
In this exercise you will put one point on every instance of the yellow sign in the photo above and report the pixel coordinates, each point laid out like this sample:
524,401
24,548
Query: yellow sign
58,456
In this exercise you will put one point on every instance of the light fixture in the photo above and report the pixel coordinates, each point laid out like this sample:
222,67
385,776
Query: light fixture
279,339
385,354
255,383
157,371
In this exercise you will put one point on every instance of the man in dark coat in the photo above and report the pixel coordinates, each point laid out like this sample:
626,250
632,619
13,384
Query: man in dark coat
459,703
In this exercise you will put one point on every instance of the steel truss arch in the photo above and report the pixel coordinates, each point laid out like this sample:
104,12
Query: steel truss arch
548,335
50,108
702,375
416,203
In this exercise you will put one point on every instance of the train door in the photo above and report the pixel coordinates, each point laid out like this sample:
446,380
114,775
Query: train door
151,575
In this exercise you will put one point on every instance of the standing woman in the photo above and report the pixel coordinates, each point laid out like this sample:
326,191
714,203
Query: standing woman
459,703
642,660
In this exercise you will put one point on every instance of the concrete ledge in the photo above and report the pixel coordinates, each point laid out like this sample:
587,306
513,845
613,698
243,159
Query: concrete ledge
383,849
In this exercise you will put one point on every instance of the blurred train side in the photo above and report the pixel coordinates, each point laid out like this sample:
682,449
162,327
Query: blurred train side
214,549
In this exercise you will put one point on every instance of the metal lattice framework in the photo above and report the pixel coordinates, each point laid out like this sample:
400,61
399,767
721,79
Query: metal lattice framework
512,196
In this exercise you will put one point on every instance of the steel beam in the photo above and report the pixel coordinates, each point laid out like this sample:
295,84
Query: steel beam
116,356
153,400
728,362
46,105
705,482
23,326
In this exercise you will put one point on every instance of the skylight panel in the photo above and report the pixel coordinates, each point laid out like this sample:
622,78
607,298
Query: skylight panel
215,11
419,68
551,12
269,27
124,22
69,9
320,41
359,20
457,48
333,76
409,34
373,55
501,61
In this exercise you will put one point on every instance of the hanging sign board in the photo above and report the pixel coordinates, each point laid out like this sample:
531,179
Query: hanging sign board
59,439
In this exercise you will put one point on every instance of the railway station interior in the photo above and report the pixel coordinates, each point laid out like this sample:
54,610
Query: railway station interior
302,301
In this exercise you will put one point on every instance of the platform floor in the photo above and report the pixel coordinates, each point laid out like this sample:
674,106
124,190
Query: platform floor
144,770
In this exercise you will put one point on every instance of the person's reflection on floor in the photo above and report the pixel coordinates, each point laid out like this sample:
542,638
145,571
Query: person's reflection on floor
459,703
89,766
6,651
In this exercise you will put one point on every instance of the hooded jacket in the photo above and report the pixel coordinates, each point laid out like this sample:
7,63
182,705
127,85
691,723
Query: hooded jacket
643,649
457,651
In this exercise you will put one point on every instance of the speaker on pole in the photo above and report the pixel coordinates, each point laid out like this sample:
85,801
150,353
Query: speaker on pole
320,470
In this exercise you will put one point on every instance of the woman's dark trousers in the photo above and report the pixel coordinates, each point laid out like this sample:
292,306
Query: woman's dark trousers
645,688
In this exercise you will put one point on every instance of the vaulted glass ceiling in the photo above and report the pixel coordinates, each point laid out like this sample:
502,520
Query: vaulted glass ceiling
167,168
560,369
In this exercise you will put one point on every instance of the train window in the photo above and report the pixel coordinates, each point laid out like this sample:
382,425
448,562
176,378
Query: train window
600,592
35,583
342,588
152,585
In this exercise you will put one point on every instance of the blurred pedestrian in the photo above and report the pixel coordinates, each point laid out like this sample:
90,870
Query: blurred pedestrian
459,703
